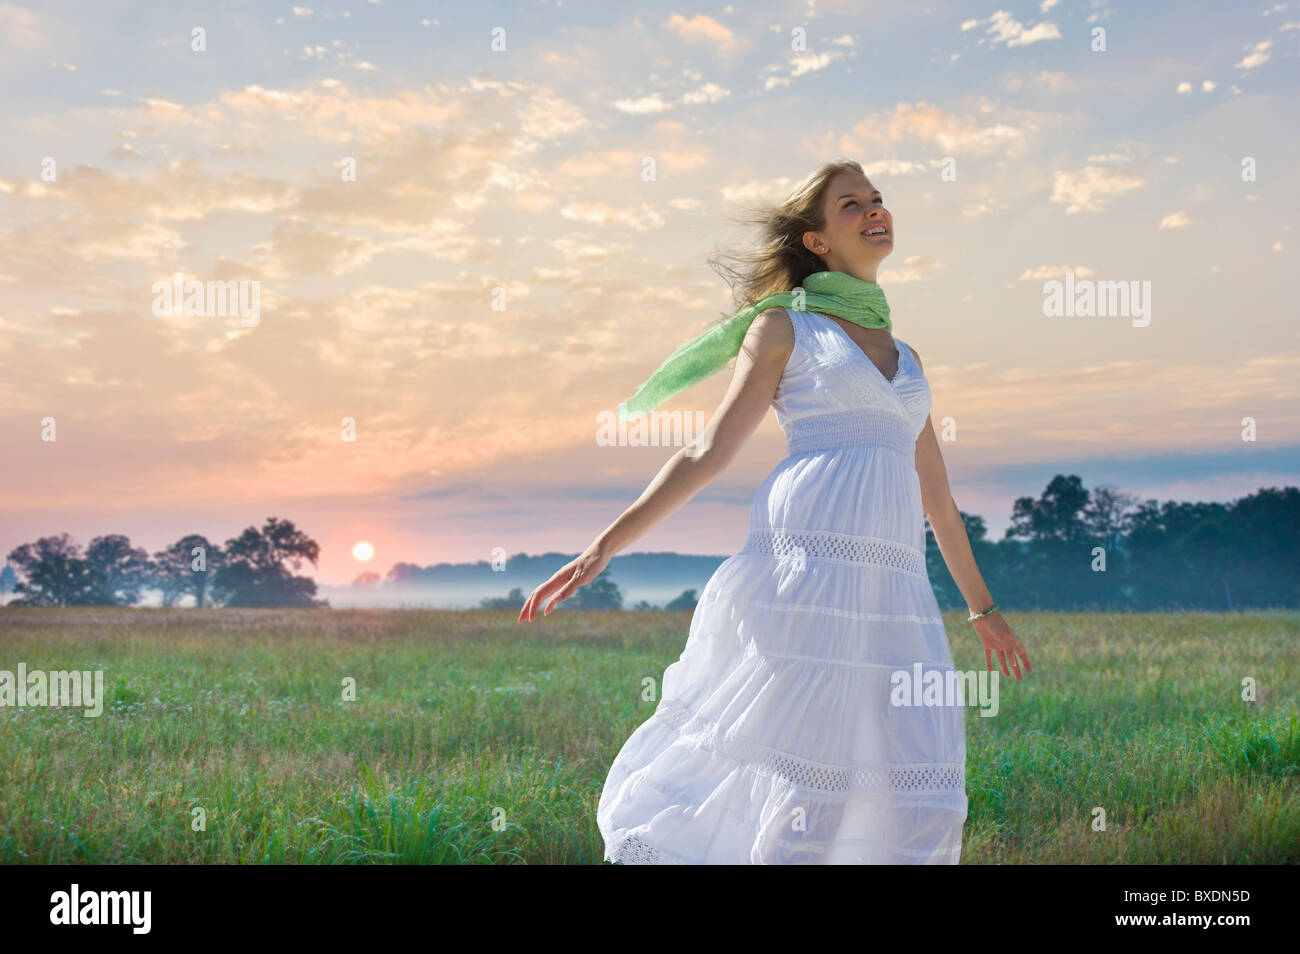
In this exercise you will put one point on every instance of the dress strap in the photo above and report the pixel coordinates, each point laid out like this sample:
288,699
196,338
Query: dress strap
904,352
800,322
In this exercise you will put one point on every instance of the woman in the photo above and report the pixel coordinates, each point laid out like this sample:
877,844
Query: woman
778,738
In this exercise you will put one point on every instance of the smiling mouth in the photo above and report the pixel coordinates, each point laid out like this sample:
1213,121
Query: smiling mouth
876,230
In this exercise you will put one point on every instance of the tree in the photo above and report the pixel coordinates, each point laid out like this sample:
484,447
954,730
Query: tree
125,569
602,593
254,572
686,601
55,574
187,566
512,600
8,579
1055,516
1106,516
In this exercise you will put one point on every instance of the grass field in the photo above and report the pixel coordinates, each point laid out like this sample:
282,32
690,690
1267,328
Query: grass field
463,717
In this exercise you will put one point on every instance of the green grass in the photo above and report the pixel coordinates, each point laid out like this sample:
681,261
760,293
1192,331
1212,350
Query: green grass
466,717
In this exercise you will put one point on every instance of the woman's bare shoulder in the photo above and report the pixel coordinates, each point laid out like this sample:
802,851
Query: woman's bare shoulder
770,338
774,327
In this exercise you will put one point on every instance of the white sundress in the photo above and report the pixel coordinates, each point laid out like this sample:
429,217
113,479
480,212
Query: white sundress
775,740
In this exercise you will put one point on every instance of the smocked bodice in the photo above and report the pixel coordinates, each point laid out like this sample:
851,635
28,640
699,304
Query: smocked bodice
832,395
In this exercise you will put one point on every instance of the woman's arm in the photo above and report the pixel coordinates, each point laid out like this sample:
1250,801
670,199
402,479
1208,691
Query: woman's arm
759,366
950,533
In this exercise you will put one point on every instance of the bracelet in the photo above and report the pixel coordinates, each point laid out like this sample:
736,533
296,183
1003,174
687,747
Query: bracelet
991,609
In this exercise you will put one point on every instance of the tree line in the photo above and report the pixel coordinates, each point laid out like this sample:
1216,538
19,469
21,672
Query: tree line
252,569
1075,549
1104,550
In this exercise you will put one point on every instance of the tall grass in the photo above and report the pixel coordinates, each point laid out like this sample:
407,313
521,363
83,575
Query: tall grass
474,739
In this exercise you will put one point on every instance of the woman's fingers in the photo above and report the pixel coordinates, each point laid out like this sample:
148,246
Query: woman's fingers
536,598
563,593
1020,651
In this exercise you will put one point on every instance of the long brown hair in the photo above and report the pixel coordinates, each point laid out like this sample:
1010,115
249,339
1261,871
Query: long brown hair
777,260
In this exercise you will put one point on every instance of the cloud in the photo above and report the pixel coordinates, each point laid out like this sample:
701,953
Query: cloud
1053,81
987,203
299,247
1044,272
767,190
894,167
21,30
612,162
643,105
799,65
1089,188
1257,55
642,219
914,270
1175,220
708,93
932,124
703,30
1004,28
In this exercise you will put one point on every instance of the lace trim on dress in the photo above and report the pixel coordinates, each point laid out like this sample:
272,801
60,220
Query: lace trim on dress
849,429
633,851
942,778
829,545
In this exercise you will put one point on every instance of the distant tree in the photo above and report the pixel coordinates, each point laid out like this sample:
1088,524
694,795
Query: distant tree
513,600
366,579
687,601
1056,516
125,569
602,593
1054,568
8,579
1106,516
643,605
254,572
55,574
401,573
187,566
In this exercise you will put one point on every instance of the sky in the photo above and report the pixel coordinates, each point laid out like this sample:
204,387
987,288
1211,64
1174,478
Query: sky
473,229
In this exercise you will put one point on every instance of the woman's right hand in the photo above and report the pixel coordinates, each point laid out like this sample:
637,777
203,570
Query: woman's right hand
578,572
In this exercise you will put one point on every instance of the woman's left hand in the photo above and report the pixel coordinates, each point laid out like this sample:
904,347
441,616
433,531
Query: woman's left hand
997,637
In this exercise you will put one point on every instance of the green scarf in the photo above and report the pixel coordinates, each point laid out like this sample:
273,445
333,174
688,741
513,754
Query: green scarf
832,293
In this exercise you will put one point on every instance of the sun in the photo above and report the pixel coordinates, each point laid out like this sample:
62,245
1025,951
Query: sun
362,551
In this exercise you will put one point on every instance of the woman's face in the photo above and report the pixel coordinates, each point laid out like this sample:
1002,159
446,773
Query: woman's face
859,230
